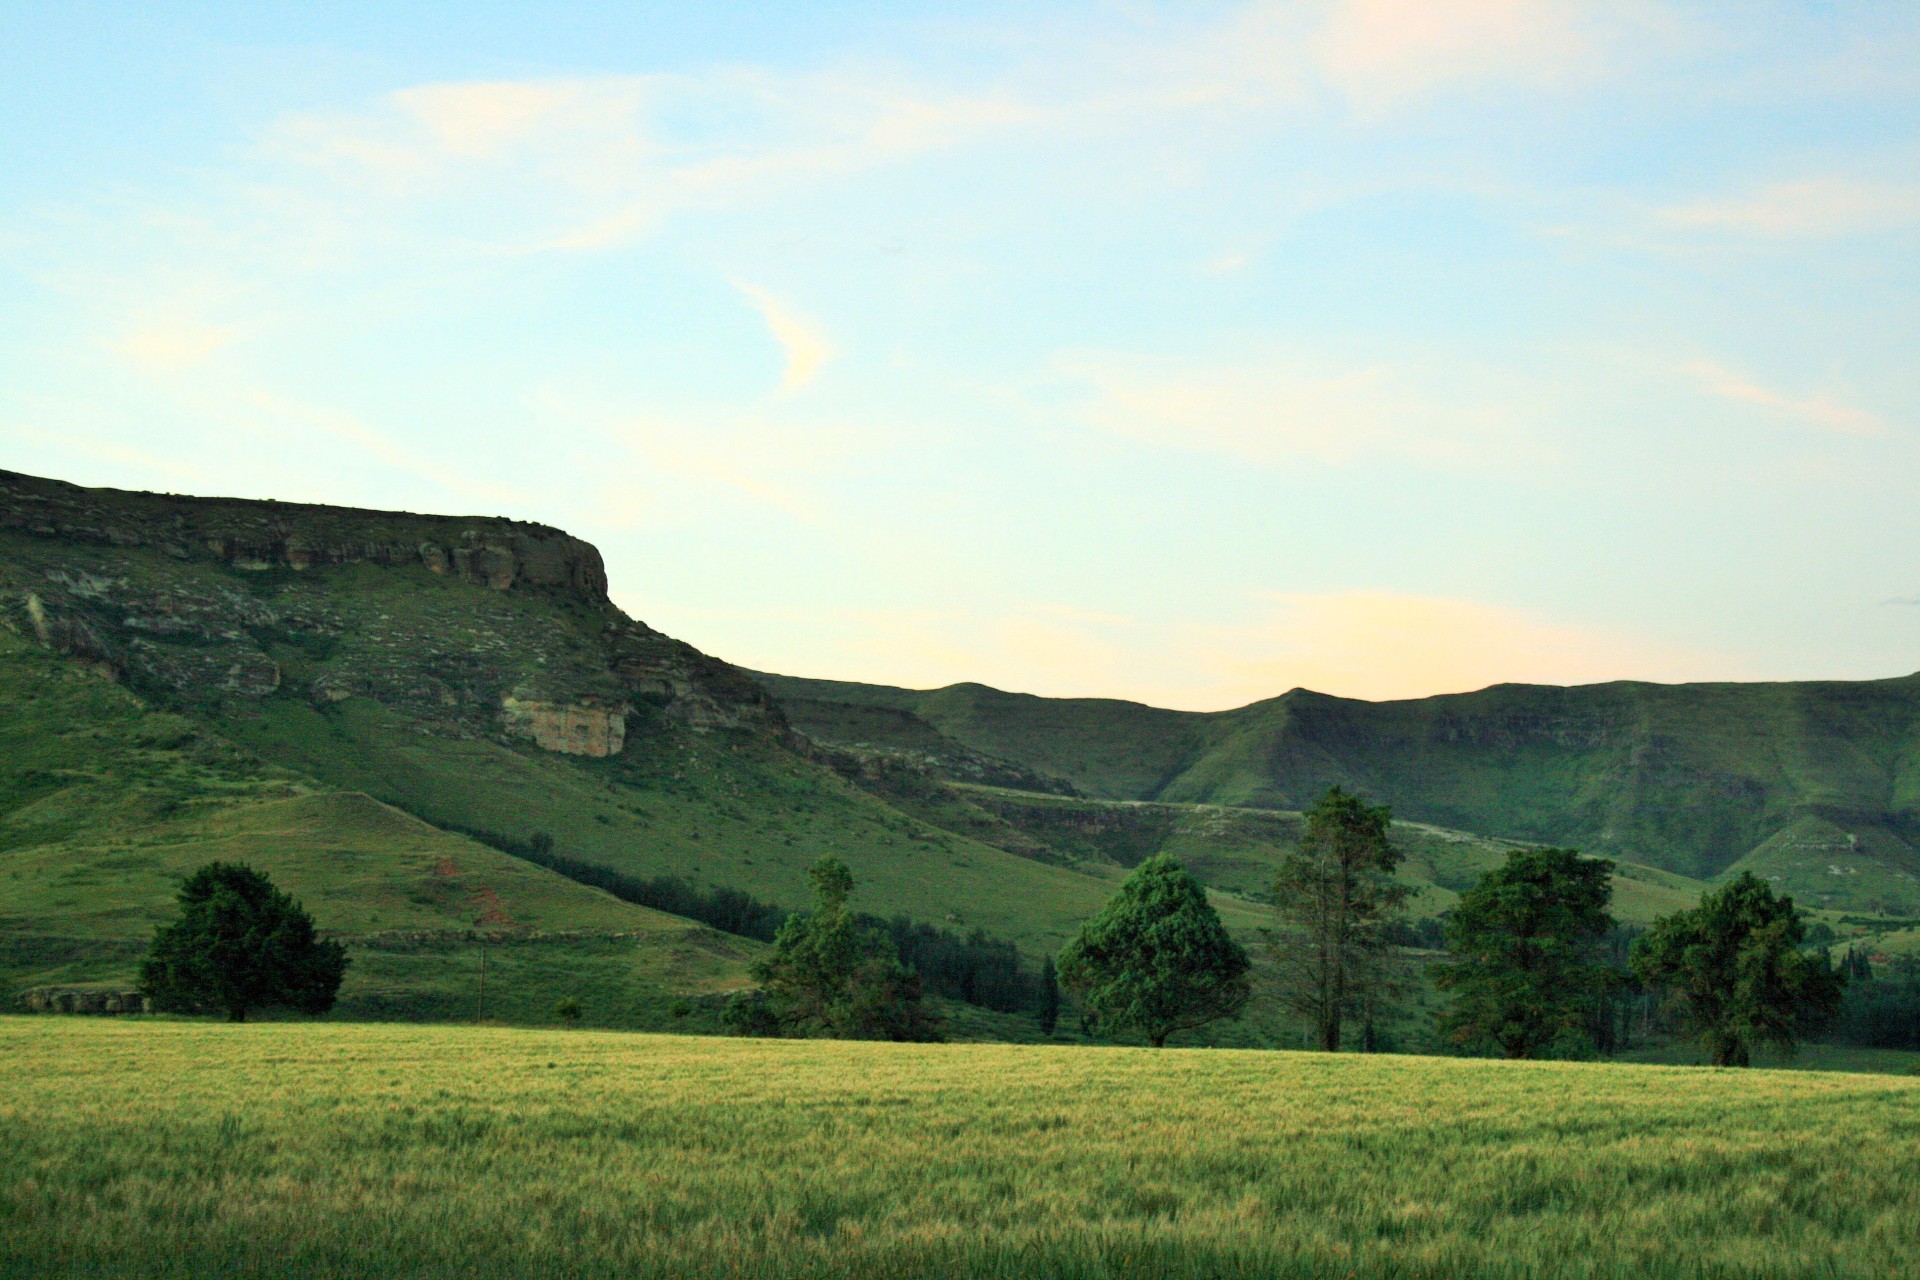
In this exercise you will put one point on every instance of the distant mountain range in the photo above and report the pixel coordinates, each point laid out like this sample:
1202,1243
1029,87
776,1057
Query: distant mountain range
1815,783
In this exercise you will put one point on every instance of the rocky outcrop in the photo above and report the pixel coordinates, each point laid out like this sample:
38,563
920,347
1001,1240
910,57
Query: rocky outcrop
259,536
573,730
81,1000
701,692
217,604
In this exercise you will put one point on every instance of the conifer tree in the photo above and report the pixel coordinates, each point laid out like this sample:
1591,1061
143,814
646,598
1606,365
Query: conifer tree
1156,959
1525,947
1335,897
1049,1010
833,975
240,945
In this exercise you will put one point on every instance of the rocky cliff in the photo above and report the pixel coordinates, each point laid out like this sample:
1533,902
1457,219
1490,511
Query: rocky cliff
465,626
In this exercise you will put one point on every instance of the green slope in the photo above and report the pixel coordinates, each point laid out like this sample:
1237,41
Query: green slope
1692,779
1238,850
107,807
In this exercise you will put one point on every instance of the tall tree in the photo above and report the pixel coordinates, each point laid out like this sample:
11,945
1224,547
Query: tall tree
1049,1008
1526,944
832,974
1335,895
239,945
1734,965
1156,959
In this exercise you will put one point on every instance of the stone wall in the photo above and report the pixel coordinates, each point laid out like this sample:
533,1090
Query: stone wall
79,1000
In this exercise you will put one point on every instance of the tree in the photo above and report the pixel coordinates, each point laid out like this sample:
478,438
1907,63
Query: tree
1049,1010
1156,959
1526,944
568,1010
832,974
1336,898
1734,966
240,944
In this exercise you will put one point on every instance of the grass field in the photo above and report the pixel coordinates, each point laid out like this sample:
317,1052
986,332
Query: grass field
158,1148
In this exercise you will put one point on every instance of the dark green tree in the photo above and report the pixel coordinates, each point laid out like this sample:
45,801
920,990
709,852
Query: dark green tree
833,975
1526,944
1733,965
1337,899
568,1010
1156,959
1049,1010
240,944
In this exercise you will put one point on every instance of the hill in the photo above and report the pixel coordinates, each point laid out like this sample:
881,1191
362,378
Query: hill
410,690
355,1151
1815,784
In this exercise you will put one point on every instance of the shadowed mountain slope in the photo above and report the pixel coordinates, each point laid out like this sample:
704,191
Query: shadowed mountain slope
1816,783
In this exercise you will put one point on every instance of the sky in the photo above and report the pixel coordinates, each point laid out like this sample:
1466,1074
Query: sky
1183,353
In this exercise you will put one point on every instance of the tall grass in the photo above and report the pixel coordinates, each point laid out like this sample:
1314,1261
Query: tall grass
176,1149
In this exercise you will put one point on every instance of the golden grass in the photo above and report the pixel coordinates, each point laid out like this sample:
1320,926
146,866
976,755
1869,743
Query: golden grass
174,1148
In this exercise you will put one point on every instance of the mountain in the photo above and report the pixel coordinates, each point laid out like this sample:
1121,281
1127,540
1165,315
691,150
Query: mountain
359,700
1816,784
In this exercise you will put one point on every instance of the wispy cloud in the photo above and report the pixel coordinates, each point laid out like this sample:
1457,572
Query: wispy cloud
1818,411
1811,207
1283,405
800,337
169,345
1382,51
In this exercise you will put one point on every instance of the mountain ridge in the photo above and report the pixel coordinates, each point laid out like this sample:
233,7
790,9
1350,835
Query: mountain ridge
1694,778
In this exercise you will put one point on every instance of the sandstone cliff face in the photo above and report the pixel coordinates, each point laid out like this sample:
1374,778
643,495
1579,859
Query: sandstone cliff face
483,628
573,730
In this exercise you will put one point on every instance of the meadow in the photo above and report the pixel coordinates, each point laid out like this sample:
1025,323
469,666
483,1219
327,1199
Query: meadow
162,1148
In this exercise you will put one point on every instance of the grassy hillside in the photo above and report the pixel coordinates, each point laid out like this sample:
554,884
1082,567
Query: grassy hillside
1239,849
197,1149
1816,783
338,696
108,805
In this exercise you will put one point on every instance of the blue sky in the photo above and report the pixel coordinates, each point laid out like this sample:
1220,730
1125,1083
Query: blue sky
1183,353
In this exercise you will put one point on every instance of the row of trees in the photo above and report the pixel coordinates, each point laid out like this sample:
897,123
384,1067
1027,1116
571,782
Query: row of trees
1529,957
1528,951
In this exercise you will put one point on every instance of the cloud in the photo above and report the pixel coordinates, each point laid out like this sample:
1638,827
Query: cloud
1381,51
1814,207
167,346
1818,411
1285,405
585,163
800,337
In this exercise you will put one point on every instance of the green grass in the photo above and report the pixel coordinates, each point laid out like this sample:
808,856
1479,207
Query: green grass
182,1149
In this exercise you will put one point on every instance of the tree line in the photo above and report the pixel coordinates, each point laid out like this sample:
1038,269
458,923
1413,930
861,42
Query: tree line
1535,965
975,968
1534,959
